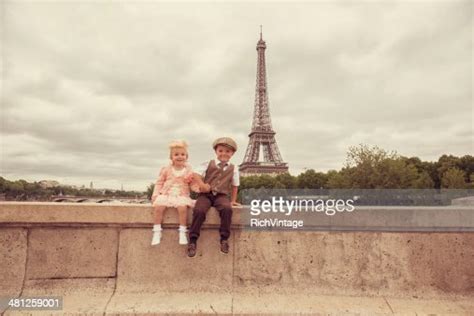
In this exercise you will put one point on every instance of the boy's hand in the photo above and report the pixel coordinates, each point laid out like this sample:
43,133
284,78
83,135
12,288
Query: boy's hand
235,204
205,188
194,187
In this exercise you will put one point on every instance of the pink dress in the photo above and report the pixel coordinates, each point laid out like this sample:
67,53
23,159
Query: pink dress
172,188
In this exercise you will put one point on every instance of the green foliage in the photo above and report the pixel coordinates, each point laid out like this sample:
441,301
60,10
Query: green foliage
286,181
466,164
263,181
453,178
338,179
423,181
364,157
375,168
311,179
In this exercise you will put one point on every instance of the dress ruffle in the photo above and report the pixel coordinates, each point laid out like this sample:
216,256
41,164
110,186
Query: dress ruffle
173,201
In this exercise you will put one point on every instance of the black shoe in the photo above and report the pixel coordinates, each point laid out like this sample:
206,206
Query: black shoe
191,249
224,246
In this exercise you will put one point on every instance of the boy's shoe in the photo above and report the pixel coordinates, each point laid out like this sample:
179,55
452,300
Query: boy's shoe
191,249
224,246
156,238
183,240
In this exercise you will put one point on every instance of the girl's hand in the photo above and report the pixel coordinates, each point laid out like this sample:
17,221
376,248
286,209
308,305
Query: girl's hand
189,178
235,204
153,198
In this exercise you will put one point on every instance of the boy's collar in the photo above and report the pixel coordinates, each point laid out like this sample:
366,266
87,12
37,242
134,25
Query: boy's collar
226,162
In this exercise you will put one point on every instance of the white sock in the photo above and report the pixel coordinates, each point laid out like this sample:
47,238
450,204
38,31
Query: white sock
182,228
156,227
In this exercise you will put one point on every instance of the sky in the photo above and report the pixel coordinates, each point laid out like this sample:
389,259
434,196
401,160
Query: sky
95,90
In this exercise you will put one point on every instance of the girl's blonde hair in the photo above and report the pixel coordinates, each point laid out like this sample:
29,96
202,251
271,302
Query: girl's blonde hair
178,144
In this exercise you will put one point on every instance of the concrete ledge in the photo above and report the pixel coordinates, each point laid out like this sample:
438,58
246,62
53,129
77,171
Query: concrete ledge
455,218
351,263
80,214
384,219
452,218
13,251
72,253
99,258
166,268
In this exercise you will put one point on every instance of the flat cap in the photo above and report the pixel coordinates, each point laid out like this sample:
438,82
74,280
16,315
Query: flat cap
225,141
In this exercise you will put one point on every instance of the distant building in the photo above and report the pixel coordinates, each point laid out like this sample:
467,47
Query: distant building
46,184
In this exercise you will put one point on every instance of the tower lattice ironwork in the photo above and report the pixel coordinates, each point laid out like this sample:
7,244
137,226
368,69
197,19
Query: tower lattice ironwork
262,135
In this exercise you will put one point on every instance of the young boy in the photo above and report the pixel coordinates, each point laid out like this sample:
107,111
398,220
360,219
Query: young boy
218,179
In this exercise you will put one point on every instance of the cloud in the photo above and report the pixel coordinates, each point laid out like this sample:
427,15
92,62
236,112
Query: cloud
94,91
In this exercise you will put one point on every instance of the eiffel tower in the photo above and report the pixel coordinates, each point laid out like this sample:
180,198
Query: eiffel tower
262,136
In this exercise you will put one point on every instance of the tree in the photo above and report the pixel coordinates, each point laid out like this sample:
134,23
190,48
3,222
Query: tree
362,155
266,181
432,169
375,168
364,166
395,174
338,179
453,178
3,184
466,164
279,185
423,181
286,180
446,162
311,180
426,169
248,182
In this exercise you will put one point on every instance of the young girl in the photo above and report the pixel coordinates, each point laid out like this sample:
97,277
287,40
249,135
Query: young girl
172,189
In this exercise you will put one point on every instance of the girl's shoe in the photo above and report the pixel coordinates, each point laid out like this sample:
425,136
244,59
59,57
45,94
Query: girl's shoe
156,237
183,239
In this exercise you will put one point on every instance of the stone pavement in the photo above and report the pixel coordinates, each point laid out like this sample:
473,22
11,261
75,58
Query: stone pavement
104,302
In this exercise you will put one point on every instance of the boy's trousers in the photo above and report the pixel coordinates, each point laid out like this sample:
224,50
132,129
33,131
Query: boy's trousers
204,202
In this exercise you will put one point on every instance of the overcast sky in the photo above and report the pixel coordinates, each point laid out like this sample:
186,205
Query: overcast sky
94,91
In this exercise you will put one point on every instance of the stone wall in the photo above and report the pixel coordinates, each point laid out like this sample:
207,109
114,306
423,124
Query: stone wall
105,249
